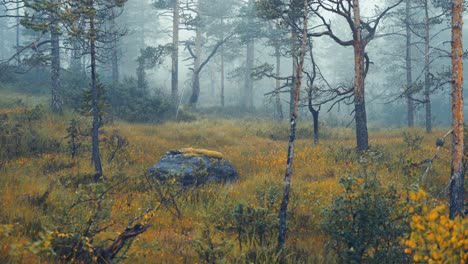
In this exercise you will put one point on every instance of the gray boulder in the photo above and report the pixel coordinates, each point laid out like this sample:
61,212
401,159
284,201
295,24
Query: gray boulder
193,167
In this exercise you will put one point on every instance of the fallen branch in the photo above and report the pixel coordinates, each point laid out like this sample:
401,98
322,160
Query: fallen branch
109,254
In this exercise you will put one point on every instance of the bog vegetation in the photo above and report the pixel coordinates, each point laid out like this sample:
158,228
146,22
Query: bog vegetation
75,185
346,206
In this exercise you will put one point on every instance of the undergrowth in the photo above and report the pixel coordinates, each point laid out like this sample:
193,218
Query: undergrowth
48,196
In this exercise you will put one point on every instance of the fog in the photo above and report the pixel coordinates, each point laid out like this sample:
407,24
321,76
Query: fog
139,24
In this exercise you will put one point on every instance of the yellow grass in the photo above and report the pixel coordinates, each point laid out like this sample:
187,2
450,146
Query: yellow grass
259,160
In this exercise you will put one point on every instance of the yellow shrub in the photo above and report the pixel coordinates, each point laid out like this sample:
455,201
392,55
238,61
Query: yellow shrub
434,237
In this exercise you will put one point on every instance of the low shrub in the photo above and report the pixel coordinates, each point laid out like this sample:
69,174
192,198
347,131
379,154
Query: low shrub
367,222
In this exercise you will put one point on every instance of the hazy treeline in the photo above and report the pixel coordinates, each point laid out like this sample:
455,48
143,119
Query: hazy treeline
229,54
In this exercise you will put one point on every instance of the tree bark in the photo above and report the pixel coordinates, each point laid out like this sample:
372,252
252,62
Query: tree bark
129,233
57,101
359,99
315,115
292,135
427,81
175,53
195,88
409,75
457,166
293,82
96,156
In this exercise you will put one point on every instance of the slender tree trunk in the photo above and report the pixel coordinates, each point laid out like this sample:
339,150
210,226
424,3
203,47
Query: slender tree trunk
409,75
292,136
175,53
115,74
212,83
141,76
18,59
222,76
2,42
458,164
293,82
359,101
56,91
196,69
248,92
427,81
115,63
279,107
250,53
96,156
75,58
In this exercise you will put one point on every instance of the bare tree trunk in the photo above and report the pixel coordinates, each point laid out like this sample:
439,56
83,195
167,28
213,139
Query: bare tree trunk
2,42
222,76
115,63
250,53
75,59
359,101
293,82
141,75
409,75
18,59
458,164
114,51
279,107
57,101
196,69
315,115
248,92
175,53
96,156
195,88
212,83
292,136
427,81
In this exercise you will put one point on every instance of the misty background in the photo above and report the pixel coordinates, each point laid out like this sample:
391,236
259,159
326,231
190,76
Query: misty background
140,24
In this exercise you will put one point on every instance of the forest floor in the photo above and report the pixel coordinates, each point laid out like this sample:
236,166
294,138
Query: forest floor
47,196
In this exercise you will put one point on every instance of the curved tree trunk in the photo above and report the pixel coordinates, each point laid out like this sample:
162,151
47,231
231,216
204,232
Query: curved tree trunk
292,135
